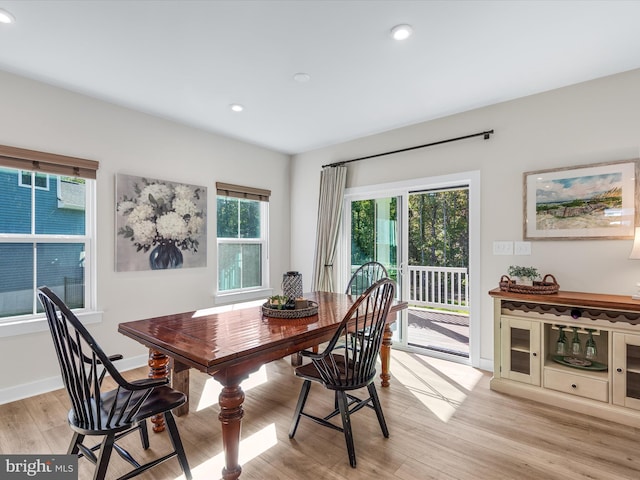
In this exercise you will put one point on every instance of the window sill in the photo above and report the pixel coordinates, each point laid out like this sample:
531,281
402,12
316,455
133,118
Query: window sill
246,296
39,324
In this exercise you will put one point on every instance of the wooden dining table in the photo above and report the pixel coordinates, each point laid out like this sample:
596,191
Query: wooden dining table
231,343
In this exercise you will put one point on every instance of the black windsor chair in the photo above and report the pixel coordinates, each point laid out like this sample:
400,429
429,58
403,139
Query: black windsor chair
353,368
96,411
365,276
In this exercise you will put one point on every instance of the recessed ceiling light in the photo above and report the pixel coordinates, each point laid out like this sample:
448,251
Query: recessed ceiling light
236,107
401,32
6,17
302,77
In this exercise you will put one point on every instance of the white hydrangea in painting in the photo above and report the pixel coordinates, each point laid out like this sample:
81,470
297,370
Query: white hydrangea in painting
165,217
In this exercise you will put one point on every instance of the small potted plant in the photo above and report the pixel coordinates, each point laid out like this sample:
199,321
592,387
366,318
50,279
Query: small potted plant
278,302
282,302
523,275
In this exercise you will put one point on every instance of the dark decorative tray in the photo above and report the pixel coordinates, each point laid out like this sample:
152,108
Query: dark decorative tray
579,363
547,286
311,310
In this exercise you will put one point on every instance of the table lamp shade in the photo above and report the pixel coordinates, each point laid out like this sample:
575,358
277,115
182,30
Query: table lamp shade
635,251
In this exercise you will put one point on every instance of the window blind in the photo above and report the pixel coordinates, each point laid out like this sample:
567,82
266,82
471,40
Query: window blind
238,191
33,160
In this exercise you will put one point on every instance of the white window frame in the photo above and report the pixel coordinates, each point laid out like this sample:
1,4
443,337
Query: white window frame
28,185
251,293
31,323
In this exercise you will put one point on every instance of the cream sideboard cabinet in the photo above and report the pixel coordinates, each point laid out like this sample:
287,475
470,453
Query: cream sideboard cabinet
527,362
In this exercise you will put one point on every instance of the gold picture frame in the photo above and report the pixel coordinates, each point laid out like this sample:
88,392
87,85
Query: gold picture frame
584,202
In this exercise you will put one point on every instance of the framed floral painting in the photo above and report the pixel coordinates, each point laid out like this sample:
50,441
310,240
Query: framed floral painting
585,202
159,224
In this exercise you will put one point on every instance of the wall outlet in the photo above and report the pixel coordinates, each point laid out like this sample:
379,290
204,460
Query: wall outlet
523,248
502,248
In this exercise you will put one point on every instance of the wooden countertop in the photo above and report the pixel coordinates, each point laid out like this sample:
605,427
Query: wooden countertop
574,299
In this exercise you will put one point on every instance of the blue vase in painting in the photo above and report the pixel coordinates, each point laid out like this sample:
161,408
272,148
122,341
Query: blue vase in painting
165,255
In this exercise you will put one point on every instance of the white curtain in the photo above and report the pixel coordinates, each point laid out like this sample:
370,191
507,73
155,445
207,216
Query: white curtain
332,184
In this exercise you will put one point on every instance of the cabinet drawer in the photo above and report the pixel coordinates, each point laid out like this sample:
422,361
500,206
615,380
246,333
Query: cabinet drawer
582,386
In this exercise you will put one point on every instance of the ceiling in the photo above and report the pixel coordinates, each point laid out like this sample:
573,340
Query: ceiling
189,60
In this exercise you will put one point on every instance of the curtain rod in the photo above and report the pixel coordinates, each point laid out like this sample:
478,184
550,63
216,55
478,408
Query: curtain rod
486,134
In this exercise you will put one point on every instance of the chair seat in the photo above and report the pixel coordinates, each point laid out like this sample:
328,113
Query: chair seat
159,401
310,372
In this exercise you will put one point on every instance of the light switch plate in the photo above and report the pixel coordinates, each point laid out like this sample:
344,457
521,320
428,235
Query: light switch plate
523,248
502,248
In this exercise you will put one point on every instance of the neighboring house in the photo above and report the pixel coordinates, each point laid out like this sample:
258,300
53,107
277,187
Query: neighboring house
59,210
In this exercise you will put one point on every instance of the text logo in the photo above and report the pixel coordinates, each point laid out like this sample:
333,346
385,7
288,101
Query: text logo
49,467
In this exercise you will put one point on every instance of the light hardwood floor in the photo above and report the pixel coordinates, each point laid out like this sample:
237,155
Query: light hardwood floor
444,423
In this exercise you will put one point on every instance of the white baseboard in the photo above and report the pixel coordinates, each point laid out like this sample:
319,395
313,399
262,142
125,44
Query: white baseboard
45,385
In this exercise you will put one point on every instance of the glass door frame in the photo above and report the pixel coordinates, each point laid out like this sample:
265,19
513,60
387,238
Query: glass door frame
344,248
401,190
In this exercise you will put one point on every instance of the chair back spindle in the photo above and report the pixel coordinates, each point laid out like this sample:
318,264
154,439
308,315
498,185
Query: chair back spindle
83,365
362,328
365,276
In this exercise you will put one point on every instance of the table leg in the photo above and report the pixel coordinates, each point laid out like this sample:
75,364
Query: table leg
385,355
231,413
296,358
180,381
158,368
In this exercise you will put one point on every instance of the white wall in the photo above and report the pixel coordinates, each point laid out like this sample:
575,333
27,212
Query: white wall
592,122
49,119
596,121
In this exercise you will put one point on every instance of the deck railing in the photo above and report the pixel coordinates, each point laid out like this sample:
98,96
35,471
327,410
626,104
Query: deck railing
439,287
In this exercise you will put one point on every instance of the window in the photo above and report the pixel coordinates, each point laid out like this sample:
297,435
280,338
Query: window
242,215
46,233
41,179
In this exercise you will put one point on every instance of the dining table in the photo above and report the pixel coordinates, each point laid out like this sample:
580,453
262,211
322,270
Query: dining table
231,342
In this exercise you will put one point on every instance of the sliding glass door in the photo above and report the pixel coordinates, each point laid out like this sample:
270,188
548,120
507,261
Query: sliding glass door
437,271
374,233
421,231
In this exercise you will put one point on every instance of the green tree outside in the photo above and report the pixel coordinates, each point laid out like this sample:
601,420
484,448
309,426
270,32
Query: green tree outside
364,239
439,228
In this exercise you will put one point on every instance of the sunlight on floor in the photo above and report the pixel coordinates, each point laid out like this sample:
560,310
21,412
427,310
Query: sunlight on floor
211,390
250,448
440,385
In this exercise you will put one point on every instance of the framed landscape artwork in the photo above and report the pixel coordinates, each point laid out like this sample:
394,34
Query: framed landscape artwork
160,224
584,202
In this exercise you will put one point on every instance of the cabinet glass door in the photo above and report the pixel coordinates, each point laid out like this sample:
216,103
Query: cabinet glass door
626,374
520,355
